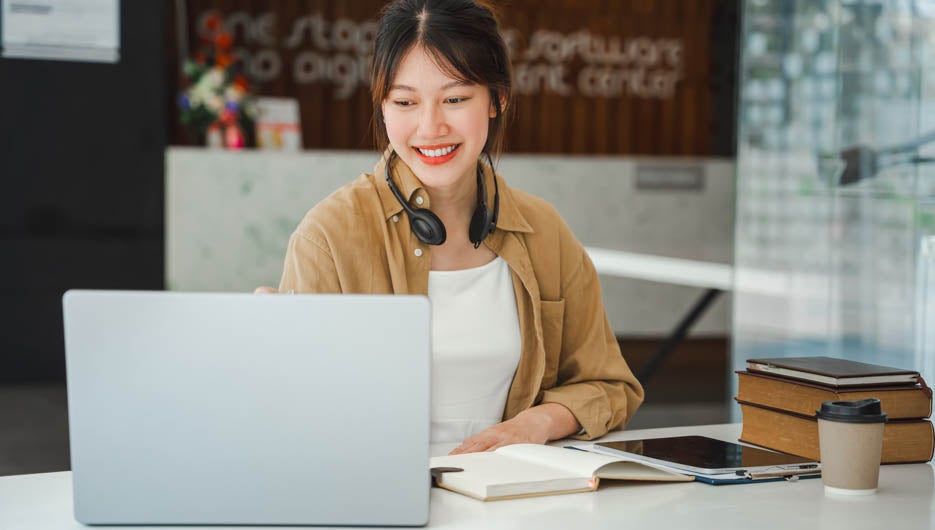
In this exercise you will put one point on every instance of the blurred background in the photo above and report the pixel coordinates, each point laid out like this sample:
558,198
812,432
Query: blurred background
785,145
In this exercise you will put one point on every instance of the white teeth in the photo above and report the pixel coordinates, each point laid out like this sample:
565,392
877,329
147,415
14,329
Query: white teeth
437,152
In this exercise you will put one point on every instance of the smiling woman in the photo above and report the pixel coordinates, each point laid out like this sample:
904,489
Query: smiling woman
522,350
436,124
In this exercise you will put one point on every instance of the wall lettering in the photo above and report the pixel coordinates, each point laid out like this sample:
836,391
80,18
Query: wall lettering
337,53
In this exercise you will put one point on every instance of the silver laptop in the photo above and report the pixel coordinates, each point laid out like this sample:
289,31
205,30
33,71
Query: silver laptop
248,409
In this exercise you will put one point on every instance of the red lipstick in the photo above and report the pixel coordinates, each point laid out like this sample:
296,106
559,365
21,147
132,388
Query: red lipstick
436,160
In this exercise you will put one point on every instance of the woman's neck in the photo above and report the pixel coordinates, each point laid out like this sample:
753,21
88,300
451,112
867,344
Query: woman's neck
455,204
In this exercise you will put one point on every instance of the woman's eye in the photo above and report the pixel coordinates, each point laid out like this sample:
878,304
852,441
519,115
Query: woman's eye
456,100
403,103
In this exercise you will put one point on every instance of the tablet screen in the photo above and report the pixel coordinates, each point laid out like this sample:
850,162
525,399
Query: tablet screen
704,453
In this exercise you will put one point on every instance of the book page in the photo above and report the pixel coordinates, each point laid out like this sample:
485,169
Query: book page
571,461
626,468
584,463
488,474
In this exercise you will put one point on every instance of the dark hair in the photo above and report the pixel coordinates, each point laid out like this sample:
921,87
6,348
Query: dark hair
461,36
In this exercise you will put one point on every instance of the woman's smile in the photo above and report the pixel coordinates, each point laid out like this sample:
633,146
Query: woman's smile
435,155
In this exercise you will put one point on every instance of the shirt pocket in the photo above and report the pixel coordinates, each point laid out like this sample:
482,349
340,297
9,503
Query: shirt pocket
553,319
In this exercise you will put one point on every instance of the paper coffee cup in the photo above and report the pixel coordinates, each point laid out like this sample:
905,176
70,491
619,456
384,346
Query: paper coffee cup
850,439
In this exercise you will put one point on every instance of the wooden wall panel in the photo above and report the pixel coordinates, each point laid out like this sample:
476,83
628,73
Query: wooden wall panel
593,107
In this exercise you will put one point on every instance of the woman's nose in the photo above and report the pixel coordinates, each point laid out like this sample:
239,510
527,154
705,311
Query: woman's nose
432,123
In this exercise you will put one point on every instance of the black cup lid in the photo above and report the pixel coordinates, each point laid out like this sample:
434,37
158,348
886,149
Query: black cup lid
860,411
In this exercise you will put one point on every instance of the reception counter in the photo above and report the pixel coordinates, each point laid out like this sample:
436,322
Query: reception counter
229,215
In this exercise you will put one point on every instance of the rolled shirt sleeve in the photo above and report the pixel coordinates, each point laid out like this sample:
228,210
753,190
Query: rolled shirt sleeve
594,381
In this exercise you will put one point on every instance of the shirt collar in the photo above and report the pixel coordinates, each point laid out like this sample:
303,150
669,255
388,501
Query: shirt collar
406,182
510,218
409,185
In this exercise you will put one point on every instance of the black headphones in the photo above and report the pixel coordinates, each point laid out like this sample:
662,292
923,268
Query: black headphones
430,229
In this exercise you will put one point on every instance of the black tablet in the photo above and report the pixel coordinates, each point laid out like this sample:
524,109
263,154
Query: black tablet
700,454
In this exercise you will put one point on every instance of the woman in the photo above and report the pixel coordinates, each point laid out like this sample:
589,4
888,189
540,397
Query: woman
522,350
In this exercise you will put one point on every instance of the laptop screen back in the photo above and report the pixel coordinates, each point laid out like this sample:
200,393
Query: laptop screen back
203,408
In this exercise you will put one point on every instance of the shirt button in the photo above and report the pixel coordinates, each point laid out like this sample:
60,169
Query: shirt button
418,252
395,218
419,200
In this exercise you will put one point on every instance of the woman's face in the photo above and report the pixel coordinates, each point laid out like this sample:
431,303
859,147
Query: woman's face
436,124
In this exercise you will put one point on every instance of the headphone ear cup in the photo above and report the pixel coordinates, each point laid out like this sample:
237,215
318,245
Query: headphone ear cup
427,226
480,225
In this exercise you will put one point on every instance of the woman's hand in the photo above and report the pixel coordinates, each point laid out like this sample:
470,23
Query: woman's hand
265,290
536,425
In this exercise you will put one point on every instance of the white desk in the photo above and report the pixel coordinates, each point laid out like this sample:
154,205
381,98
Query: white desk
662,269
715,278
906,500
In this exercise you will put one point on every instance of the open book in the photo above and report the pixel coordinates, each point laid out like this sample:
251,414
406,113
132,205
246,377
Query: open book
526,470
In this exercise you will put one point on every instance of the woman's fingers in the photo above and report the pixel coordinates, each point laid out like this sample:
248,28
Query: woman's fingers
265,290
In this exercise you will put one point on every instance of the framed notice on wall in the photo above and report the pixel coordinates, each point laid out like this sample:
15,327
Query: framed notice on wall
65,30
646,77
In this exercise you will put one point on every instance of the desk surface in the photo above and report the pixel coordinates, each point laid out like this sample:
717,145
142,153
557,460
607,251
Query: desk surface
906,500
704,274
661,268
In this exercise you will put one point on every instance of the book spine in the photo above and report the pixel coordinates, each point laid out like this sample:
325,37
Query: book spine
793,396
903,441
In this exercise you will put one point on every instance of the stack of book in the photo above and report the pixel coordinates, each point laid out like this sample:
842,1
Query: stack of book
778,399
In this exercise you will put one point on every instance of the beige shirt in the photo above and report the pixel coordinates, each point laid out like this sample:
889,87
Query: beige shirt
358,240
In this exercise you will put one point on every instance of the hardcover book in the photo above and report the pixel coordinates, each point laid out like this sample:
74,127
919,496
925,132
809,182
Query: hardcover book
831,371
904,441
805,397
527,470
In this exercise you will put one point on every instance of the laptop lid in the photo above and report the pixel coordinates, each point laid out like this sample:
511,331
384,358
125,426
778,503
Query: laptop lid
198,408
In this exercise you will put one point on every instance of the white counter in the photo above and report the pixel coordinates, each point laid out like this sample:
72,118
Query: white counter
229,215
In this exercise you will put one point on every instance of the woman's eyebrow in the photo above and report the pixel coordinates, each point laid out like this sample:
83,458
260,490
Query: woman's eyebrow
454,84
446,86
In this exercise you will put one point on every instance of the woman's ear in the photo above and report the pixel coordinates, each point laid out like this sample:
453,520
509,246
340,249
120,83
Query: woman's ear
493,107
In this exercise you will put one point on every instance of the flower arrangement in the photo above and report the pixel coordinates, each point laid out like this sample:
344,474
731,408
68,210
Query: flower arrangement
217,105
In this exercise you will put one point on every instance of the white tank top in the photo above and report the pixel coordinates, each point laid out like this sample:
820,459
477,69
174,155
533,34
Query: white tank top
476,345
